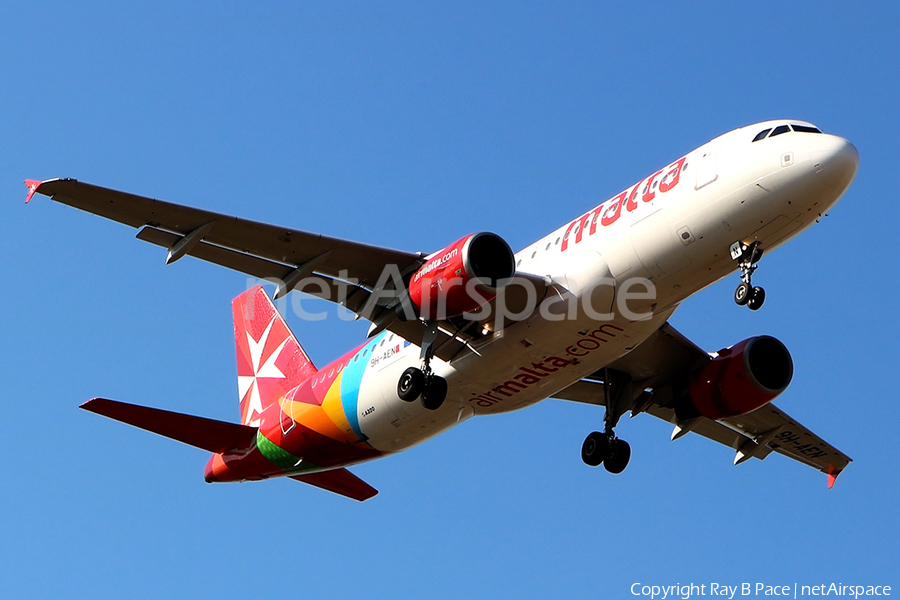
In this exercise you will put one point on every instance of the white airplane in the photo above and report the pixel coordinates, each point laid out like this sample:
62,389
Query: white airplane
473,329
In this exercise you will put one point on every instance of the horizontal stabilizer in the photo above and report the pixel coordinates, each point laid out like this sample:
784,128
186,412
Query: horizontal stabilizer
340,481
208,434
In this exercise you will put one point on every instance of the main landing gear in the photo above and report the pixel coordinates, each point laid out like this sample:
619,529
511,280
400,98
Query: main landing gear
604,447
746,294
417,382
422,382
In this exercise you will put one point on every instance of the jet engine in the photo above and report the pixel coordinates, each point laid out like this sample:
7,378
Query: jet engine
462,277
741,378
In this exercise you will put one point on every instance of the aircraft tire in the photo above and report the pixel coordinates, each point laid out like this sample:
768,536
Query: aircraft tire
434,393
757,297
411,384
742,294
595,449
618,458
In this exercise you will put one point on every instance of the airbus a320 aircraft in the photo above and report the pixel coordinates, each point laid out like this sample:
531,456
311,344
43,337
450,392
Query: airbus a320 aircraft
474,329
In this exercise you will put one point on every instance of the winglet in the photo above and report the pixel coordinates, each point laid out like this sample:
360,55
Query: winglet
832,477
32,188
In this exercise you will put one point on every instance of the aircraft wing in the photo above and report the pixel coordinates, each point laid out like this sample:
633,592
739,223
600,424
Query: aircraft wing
667,356
346,272
254,248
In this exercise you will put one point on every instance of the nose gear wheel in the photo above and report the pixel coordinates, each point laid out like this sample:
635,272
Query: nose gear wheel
748,256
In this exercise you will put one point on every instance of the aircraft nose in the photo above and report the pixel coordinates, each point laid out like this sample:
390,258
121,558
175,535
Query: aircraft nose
836,160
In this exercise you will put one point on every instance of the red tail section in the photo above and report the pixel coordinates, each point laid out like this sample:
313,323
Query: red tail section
270,361
209,434
340,481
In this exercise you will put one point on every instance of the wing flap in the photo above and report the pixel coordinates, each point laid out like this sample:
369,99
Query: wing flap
208,434
340,481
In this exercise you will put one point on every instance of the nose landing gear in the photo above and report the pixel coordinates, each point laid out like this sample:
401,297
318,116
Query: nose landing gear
746,294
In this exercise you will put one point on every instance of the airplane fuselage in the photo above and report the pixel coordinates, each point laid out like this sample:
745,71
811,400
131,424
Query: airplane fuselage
673,228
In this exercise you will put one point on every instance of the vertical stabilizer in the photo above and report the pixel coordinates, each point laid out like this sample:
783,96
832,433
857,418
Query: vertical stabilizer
270,361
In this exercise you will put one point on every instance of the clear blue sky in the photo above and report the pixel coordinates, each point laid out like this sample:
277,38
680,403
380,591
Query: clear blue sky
409,126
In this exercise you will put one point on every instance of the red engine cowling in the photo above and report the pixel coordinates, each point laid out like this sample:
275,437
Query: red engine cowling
440,289
742,378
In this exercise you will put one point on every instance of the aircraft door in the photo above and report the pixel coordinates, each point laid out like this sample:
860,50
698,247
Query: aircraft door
705,163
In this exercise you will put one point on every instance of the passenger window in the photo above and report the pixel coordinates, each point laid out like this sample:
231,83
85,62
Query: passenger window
779,130
762,134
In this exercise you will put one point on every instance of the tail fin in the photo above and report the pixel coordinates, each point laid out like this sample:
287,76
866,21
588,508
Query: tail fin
270,361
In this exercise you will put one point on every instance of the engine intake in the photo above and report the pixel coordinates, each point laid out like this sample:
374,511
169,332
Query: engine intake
741,378
462,277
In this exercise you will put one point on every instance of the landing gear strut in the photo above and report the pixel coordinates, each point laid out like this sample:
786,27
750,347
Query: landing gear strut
746,294
422,382
605,447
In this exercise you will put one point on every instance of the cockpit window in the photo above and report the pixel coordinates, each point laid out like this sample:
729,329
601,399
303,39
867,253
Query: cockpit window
805,129
762,134
779,130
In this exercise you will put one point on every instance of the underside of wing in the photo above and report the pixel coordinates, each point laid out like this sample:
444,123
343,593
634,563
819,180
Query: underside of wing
651,378
230,241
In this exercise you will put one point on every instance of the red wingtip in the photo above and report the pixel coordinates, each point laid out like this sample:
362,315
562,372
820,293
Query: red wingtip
832,477
32,188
